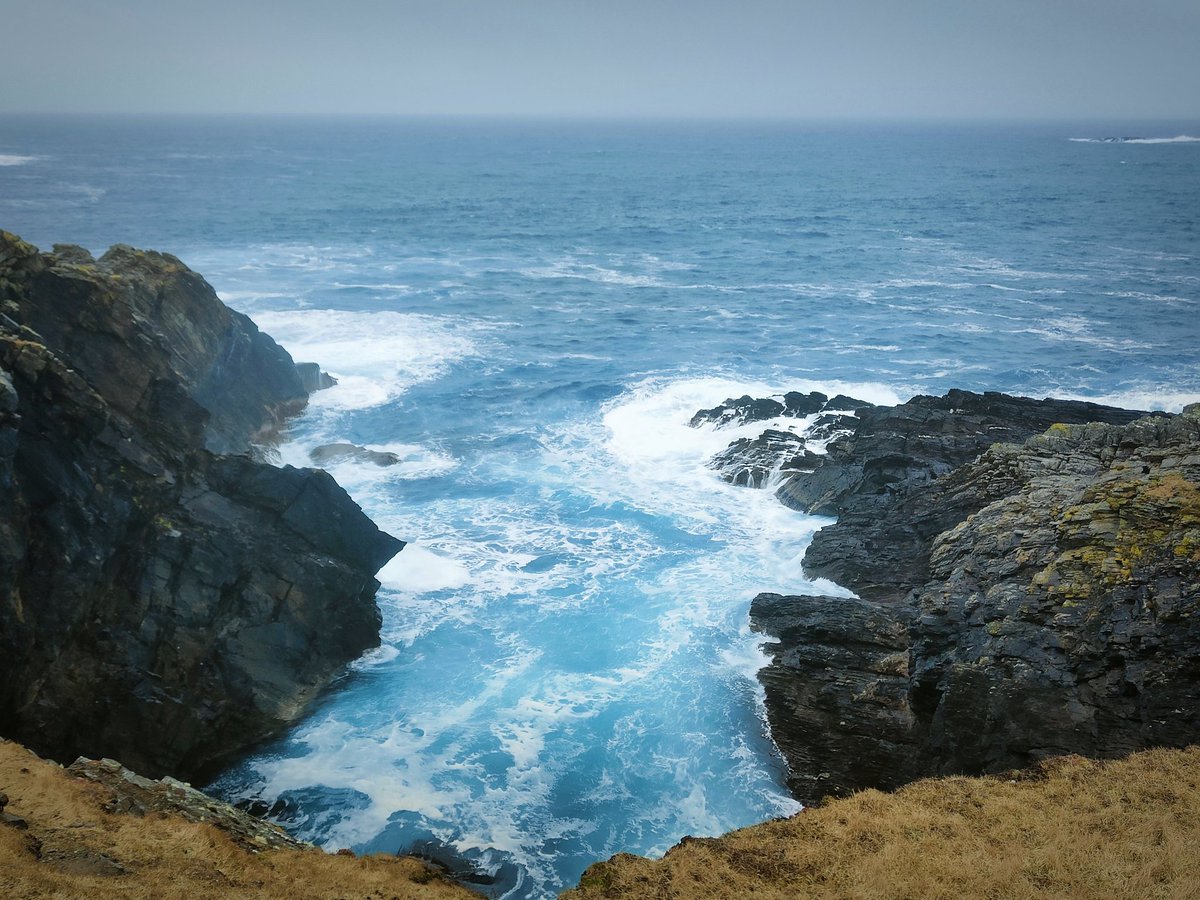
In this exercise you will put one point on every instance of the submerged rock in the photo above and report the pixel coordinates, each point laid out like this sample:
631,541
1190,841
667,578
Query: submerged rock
342,452
1050,604
160,602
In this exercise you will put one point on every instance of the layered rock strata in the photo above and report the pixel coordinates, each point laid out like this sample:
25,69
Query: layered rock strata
1021,600
165,597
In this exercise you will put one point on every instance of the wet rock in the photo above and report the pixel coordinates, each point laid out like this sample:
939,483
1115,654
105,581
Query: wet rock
160,601
846,404
330,454
739,411
751,462
745,409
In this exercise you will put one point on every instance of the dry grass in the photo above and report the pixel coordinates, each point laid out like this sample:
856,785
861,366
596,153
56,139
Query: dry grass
88,853
1078,828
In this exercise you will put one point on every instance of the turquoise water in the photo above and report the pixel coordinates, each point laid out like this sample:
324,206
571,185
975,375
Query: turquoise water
528,314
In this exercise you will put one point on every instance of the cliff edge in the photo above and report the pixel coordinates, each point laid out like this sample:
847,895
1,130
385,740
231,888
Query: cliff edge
166,598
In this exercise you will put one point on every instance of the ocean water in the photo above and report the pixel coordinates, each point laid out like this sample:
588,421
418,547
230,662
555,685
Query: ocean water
528,314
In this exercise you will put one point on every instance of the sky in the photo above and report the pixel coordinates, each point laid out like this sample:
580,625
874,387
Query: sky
1082,59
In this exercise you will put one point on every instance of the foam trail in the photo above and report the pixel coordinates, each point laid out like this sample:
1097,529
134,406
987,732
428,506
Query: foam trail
375,356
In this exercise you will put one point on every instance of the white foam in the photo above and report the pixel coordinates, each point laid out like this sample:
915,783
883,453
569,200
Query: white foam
12,159
417,570
571,268
1151,398
376,356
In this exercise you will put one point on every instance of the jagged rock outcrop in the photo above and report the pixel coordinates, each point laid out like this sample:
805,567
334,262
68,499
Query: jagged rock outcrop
130,793
752,462
740,410
883,481
161,602
1058,612
775,454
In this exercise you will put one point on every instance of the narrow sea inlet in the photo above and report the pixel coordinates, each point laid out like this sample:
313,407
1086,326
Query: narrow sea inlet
527,315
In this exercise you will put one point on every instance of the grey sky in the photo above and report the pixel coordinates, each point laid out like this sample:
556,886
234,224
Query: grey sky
919,58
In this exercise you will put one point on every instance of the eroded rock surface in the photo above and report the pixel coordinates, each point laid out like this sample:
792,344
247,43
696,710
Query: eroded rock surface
884,481
161,602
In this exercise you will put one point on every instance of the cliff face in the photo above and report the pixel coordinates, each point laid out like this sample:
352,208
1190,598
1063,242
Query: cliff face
161,601
1051,602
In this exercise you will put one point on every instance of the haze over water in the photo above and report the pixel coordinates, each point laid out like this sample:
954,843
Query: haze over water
528,314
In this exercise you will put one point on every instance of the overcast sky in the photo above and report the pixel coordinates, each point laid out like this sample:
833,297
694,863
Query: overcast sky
859,58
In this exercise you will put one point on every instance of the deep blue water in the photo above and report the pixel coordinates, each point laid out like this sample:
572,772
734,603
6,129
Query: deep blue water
528,313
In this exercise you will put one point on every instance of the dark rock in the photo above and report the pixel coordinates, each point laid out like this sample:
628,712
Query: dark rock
877,480
830,425
800,405
837,691
336,453
751,462
846,404
12,821
739,411
312,378
1059,613
159,602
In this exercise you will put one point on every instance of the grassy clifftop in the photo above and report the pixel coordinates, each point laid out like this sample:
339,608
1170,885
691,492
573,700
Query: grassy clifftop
73,848
1074,828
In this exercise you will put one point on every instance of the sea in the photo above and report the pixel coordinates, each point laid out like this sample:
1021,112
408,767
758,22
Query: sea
527,314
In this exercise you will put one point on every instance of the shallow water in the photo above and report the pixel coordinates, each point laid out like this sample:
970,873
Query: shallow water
528,314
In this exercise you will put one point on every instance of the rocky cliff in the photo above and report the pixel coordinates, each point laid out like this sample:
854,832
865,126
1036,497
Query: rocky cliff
1021,599
165,597
1028,574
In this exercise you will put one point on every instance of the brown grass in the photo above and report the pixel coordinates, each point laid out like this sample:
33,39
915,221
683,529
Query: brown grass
83,851
1076,829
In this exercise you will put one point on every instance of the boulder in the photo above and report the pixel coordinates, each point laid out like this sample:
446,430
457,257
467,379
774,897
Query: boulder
328,454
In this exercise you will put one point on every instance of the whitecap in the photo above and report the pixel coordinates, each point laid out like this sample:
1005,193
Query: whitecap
12,159
376,356
418,570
